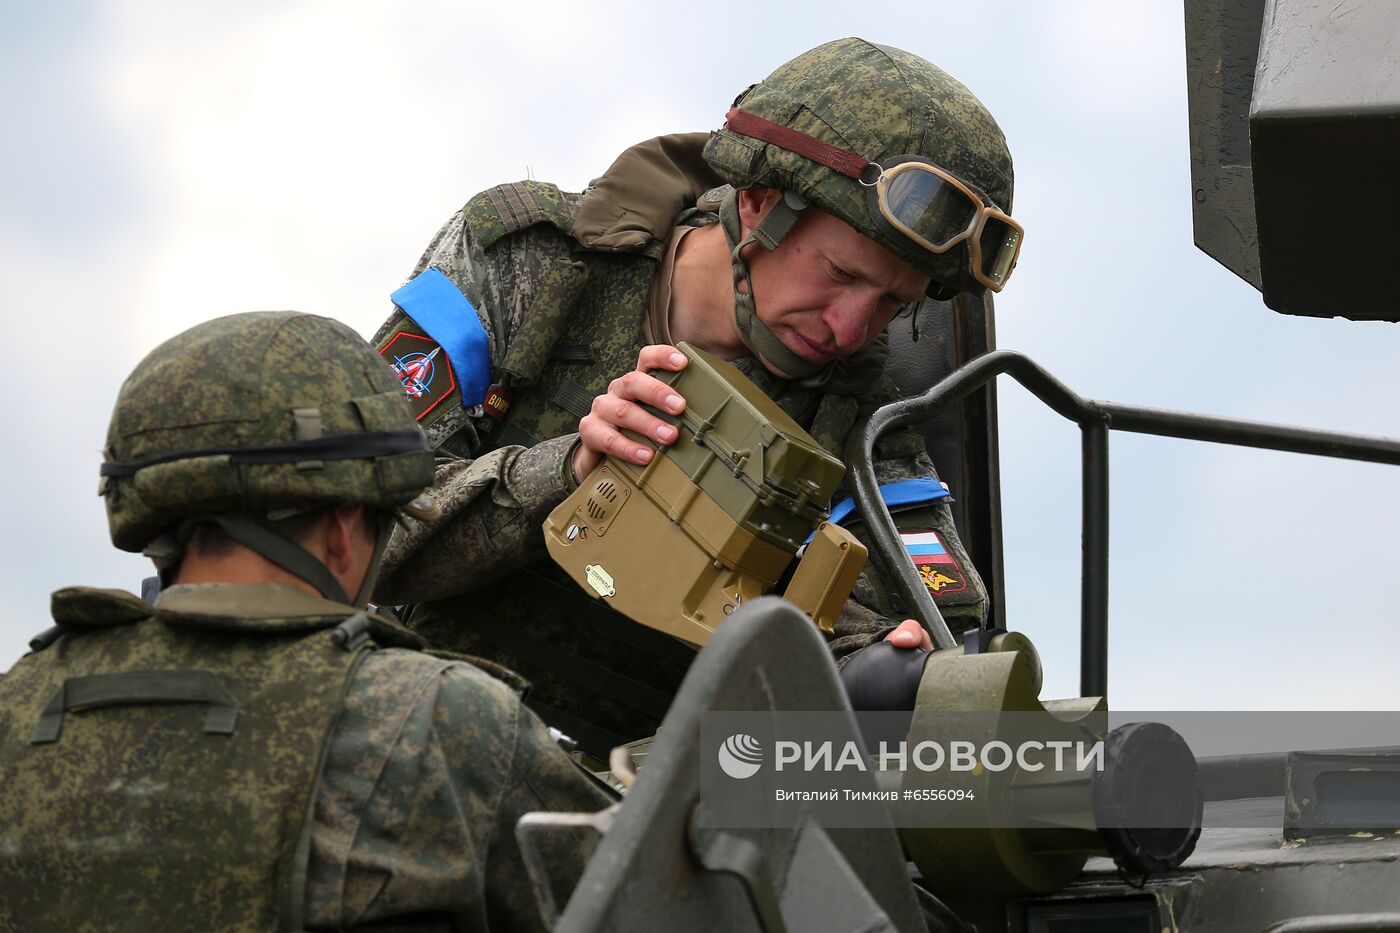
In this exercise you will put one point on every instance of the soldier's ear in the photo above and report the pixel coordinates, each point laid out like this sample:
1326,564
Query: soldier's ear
348,538
754,205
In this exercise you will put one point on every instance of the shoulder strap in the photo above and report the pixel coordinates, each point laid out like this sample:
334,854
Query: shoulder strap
509,208
80,608
555,274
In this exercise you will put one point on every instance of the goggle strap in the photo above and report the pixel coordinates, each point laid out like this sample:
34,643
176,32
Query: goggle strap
850,164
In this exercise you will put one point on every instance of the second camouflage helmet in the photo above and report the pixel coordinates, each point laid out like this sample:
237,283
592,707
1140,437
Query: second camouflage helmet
883,104
258,412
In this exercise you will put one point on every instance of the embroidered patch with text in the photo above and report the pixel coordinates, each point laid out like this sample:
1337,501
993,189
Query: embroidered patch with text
497,401
936,564
423,368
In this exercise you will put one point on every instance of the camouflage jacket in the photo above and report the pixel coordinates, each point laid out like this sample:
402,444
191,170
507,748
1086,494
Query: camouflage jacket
561,296
341,786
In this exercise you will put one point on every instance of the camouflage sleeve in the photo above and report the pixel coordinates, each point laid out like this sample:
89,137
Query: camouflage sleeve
541,778
874,608
428,769
492,505
492,510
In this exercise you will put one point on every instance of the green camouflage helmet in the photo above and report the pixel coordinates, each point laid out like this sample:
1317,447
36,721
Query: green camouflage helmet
261,413
881,103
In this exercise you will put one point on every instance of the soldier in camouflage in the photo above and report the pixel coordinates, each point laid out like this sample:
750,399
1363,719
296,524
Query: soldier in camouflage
845,187
255,750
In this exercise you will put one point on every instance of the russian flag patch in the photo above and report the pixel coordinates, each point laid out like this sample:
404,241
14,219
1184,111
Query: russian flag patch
936,564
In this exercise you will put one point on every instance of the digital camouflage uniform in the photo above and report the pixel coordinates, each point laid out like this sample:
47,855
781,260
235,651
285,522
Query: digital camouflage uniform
351,785
254,756
560,282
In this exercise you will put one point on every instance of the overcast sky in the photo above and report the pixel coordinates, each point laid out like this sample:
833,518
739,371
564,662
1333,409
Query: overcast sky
168,162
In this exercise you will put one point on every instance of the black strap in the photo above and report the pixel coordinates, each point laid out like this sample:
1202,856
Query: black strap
572,669
515,436
573,398
590,738
384,526
335,447
282,551
572,353
138,687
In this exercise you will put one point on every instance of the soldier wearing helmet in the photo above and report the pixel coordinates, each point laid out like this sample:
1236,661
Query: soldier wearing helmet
841,190
255,750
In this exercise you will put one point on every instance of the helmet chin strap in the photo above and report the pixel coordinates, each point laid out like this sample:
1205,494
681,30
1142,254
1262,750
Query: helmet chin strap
383,526
752,331
257,536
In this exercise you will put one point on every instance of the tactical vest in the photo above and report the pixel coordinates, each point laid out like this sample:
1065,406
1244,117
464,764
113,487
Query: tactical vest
596,675
159,765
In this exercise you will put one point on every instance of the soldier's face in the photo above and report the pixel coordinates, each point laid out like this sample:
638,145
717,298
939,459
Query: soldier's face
826,291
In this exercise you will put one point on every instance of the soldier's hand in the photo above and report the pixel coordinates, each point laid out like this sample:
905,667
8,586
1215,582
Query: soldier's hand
910,634
621,407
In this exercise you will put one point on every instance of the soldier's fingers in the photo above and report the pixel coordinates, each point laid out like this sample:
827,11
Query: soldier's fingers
661,356
654,392
910,634
620,413
605,439
648,390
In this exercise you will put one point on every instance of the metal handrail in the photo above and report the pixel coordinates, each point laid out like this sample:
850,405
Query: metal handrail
1095,420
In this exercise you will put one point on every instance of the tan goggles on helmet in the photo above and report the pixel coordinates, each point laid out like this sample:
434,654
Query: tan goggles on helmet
933,208
911,199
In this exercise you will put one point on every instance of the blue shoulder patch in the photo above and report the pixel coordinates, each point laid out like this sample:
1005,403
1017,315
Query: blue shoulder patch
905,492
445,314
